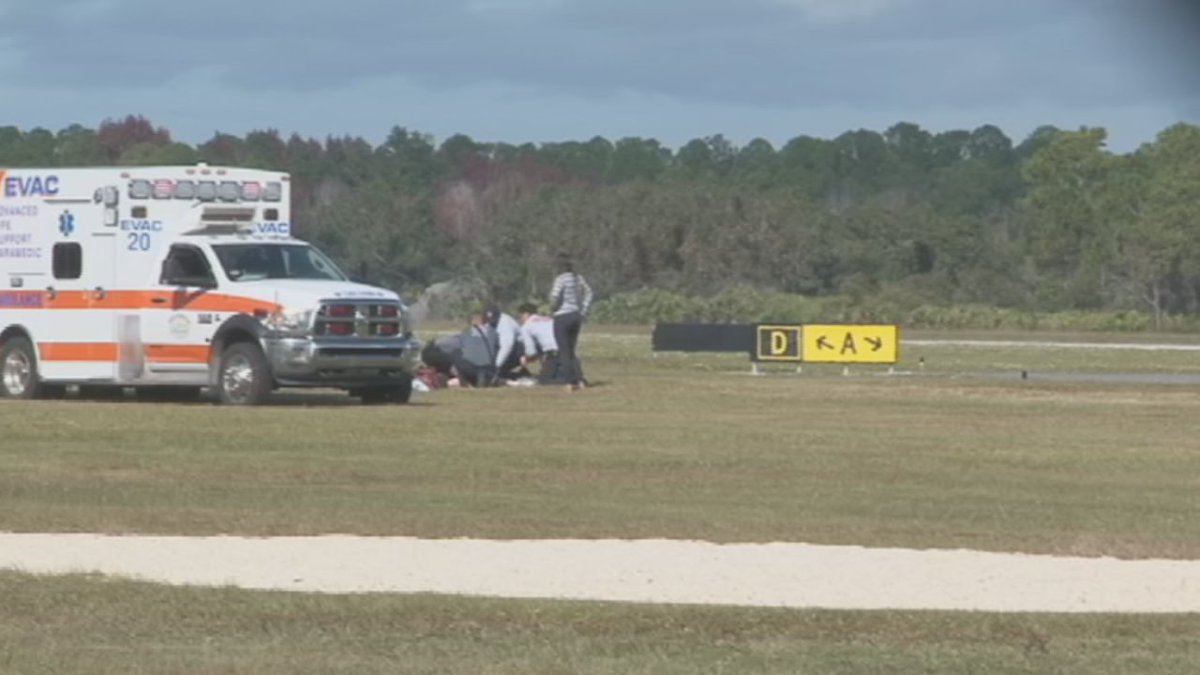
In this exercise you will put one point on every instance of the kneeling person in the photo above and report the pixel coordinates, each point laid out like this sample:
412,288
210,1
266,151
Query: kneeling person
467,358
509,346
537,336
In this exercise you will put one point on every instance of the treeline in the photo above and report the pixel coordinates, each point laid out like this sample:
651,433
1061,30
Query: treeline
1053,223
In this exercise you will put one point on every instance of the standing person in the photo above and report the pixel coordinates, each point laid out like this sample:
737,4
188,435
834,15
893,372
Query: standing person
509,348
537,337
570,300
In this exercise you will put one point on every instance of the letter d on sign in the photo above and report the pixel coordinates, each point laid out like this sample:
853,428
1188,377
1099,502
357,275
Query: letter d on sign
779,343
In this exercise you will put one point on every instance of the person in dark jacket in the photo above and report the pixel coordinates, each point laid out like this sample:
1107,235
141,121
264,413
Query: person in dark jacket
468,358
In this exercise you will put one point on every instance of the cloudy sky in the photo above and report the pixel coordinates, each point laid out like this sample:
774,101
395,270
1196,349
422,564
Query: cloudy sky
549,70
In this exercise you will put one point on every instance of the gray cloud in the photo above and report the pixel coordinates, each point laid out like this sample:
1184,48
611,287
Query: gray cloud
893,54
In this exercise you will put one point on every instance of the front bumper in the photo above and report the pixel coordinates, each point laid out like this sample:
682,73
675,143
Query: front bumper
332,362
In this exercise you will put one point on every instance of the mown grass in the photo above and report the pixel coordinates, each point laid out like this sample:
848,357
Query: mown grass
679,446
88,625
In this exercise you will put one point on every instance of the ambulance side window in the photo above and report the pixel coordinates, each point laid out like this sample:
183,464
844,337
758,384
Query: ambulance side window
187,266
67,261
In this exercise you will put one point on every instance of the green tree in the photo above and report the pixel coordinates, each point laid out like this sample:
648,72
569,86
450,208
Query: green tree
223,150
638,159
911,145
806,164
1160,242
1069,236
264,150
158,154
78,146
756,164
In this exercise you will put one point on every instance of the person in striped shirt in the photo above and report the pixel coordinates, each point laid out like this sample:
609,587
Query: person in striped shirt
570,300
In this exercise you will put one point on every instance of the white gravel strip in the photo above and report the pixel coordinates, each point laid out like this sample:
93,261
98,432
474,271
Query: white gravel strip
644,571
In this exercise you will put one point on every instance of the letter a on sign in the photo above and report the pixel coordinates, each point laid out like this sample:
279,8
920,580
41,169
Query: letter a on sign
848,344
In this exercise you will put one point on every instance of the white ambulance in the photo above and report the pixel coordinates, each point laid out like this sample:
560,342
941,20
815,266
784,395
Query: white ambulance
172,279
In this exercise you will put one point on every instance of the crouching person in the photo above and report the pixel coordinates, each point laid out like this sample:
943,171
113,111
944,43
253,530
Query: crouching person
537,338
510,347
466,358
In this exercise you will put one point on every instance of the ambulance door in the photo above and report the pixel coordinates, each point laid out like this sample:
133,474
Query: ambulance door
80,343
178,322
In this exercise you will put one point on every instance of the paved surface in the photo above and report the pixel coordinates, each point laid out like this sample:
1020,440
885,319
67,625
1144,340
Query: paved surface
645,571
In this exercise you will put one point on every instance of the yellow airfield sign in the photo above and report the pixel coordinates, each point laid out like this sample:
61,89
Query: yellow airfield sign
851,343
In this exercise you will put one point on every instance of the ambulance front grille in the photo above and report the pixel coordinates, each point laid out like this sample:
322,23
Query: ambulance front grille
370,320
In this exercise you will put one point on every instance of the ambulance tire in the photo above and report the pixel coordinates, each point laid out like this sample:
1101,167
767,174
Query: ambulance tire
396,393
18,370
245,377
402,392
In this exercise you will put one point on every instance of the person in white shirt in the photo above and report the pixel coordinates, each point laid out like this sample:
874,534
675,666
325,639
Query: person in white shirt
537,336
509,347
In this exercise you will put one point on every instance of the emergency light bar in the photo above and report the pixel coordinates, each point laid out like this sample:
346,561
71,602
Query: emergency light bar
219,220
228,214
221,228
206,190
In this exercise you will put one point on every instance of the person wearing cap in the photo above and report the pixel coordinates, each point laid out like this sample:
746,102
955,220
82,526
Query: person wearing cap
537,337
509,347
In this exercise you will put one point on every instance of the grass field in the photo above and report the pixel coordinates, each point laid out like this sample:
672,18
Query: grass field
682,446
82,625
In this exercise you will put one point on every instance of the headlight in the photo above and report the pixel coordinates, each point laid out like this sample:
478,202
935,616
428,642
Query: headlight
290,322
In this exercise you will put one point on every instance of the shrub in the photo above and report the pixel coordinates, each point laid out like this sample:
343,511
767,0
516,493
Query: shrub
746,304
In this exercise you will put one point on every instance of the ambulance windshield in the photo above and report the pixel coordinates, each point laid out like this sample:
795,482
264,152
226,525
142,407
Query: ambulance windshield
255,262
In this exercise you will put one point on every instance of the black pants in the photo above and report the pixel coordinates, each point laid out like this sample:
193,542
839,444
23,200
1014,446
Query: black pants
512,369
550,371
566,334
473,374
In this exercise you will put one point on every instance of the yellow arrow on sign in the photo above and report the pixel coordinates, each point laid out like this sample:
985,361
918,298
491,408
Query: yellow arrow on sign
833,343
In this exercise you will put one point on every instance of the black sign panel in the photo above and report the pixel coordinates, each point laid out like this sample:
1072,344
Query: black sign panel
703,337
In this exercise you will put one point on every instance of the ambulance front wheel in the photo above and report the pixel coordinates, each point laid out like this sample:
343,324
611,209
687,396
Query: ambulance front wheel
18,370
245,378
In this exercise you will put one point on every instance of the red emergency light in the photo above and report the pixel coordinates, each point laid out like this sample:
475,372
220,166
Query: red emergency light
339,328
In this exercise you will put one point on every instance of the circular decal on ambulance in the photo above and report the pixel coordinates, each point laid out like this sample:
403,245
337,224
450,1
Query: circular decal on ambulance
179,325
